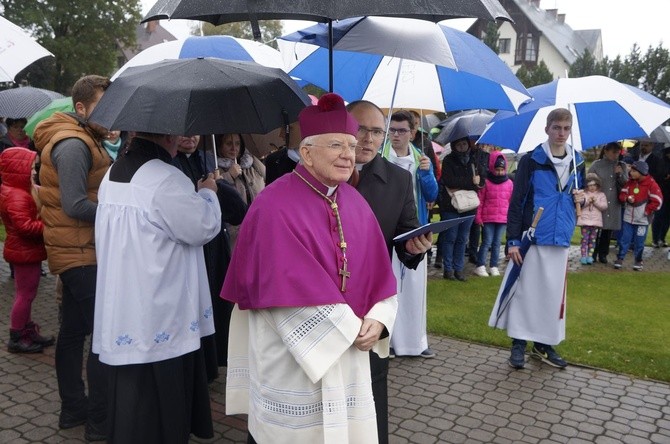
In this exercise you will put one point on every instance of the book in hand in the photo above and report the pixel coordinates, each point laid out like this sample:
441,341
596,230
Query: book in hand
433,227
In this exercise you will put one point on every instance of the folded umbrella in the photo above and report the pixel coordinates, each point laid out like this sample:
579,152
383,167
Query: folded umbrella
219,46
23,102
200,96
513,270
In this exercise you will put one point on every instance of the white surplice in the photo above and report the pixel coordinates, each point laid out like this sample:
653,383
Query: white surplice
533,314
297,375
152,299
409,336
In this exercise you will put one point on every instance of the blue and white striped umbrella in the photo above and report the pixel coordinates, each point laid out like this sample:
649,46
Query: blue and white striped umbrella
436,67
218,46
603,110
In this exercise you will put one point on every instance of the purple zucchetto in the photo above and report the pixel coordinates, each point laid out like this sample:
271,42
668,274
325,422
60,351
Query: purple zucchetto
329,115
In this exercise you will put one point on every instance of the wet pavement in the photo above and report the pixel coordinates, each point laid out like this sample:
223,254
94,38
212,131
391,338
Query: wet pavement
466,394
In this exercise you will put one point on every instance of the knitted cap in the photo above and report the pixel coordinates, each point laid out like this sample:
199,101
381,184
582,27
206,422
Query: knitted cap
641,166
329,115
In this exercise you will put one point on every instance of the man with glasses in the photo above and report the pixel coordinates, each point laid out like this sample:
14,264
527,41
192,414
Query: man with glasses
409,337
388,190
309,307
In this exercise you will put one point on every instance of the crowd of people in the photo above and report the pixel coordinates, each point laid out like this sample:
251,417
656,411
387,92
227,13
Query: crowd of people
179,260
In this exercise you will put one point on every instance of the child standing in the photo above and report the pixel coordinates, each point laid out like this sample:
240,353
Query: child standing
24,245
492,213
641,196
595,202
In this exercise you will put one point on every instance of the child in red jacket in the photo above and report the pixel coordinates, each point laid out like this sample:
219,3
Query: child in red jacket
24,245
641,196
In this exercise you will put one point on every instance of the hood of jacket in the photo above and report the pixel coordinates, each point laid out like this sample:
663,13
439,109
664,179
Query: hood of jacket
16,165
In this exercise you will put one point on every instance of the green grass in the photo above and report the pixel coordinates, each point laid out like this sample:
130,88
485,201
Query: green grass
615,320
3,234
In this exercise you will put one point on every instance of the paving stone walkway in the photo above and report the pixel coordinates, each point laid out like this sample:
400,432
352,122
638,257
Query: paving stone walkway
467,394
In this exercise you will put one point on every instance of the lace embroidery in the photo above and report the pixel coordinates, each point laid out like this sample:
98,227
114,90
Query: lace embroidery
315,408
302,330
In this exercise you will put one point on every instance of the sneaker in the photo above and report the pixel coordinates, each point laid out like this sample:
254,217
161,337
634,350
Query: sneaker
638,266
618,263
589,260
391,353
427,353
494,271
547,354
583,261
518,357
480,271
449,275
459,276
656,244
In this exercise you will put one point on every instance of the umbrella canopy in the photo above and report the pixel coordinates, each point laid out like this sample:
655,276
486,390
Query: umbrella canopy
219,46
468,124
24,102
434,67
603,110
660,134
200,96
58,105
220,12
17,50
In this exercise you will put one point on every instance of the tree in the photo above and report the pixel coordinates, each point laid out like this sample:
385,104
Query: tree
491,37
83,35
270,30
534,76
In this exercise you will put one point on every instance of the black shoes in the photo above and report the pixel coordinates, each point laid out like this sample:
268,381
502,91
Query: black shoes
517,359
459,276
95,433
449,275
69,420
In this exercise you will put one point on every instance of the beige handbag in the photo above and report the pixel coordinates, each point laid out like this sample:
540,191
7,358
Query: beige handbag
464,200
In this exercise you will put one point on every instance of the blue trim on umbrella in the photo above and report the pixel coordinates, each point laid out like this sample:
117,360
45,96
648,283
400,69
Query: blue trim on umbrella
318,34
603,122
223,47
462,90
506,133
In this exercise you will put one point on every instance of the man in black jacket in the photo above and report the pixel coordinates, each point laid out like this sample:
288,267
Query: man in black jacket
389,191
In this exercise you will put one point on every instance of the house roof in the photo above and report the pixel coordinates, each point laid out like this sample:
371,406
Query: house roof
147,34
570,44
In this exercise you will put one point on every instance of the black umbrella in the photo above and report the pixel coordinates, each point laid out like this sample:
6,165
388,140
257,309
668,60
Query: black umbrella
219,12
23,102
200,96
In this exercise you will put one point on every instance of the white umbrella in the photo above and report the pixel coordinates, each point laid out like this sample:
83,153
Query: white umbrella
218,46
17,50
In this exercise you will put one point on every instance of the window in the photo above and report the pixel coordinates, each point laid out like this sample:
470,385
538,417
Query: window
526,49
504,46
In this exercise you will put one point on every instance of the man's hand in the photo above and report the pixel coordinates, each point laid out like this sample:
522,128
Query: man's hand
369,334
424,163
207,182
514,254
419,244
578,196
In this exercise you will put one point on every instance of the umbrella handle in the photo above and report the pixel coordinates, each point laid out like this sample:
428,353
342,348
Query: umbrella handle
537,217
578,209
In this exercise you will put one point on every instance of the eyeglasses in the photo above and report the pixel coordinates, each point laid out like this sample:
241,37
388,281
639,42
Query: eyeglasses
398,131
338,146
375,132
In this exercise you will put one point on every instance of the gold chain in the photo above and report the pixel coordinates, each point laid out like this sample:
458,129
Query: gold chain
343,245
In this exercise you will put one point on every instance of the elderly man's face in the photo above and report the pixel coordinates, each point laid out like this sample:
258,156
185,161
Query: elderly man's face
370,132
646,147
330,157
187,144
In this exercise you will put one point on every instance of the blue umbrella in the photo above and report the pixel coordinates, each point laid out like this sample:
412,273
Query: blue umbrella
408,63
218,46
603,110
513,270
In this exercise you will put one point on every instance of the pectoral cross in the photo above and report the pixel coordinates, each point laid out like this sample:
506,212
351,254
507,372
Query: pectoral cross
345,274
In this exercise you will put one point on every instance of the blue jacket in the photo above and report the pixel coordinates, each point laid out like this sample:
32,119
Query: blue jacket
536,185
425,188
